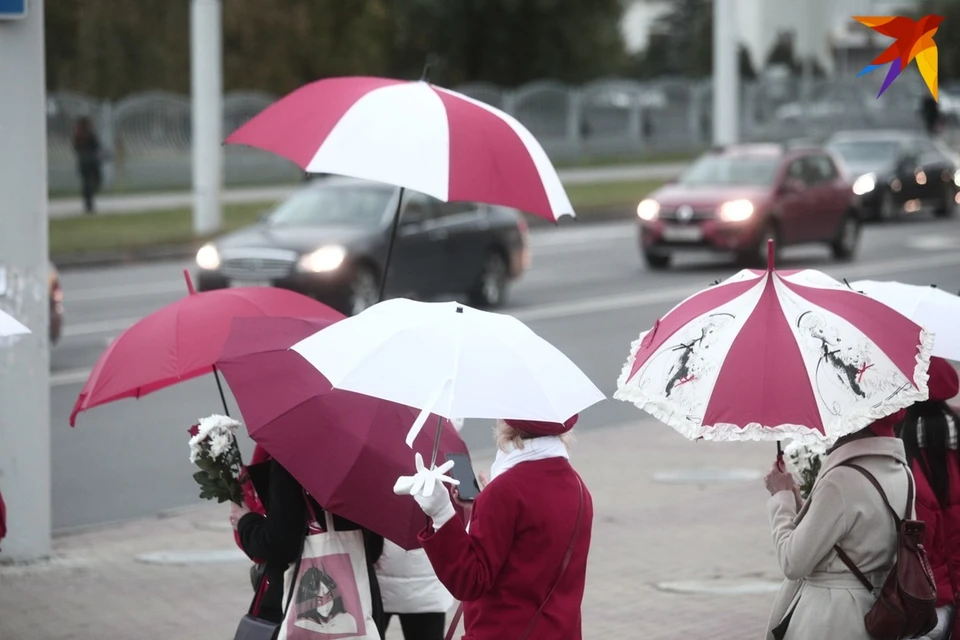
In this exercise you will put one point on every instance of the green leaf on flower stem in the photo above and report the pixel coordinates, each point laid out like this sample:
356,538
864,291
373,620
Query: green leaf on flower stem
199,476
205,463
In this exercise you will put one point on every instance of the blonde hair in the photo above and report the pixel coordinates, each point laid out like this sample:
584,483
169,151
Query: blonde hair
504,436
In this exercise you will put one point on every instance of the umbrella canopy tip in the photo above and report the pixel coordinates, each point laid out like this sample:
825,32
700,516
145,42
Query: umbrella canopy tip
459,309
189,281
770,255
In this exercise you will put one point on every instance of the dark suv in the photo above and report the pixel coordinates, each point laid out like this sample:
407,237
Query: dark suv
734,199
898,171
329,240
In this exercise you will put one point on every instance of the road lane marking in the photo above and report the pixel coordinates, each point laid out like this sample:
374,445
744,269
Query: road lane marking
588,306
124,291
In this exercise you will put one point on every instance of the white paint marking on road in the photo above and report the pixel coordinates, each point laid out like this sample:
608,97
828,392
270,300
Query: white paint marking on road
66,378
124,291
565,309
99,326
934,243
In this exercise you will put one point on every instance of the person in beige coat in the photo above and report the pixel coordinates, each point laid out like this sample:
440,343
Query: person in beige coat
820,595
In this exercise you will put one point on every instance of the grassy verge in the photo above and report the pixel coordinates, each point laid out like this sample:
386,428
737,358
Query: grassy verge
106,232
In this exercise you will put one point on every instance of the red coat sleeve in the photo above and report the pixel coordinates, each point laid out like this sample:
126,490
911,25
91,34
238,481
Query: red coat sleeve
929,512
468,563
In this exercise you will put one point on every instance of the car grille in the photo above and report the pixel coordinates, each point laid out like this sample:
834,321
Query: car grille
258,268
698,214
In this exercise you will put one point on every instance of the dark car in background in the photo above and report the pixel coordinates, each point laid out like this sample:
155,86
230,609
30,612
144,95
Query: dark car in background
898,171
329,240
734,199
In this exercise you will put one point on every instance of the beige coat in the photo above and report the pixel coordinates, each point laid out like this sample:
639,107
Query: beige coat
843,508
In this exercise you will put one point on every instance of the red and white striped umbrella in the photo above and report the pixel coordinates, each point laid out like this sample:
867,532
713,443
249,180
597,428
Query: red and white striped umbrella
772,355
413,135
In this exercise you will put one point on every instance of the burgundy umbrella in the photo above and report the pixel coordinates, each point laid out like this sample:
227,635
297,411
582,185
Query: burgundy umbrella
346,449
183,340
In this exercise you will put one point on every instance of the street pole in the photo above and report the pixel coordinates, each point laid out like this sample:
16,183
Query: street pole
206,81
25,360
726,73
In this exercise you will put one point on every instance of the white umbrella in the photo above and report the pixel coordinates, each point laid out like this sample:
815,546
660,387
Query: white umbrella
10,326
451,360
935,310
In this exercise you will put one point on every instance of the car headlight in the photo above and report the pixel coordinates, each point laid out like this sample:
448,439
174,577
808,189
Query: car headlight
648,210
208,257
956,177
323,259
736,210
865,184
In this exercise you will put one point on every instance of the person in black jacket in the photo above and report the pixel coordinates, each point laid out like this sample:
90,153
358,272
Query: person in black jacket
277,538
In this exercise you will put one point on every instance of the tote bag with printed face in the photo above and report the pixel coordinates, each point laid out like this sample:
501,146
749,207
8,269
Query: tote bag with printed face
331,593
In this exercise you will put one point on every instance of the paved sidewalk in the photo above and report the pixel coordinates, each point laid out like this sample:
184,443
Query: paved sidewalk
646,533
138,203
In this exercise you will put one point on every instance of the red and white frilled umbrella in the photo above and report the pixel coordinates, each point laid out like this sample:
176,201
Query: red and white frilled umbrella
413,135
773,355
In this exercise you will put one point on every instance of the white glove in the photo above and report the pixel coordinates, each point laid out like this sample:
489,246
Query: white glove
427,489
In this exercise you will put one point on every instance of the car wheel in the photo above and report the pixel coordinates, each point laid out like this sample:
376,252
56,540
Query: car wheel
948,204
491,288
656,261
888,210
364,291
844,246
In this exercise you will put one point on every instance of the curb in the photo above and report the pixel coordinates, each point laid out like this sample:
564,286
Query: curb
67,261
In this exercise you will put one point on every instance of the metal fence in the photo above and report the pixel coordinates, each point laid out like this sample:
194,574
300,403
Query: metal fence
147,136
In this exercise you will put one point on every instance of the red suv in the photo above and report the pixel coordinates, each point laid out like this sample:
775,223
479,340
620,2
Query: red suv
733,199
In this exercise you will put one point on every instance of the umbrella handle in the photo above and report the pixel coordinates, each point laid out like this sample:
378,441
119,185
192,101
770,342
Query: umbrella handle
780,464
436,442
223,398
393,241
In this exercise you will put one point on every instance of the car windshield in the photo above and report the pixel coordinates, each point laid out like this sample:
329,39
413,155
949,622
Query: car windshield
353,205
748,170
866,151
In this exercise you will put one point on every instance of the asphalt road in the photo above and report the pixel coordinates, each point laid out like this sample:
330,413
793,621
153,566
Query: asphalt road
587,293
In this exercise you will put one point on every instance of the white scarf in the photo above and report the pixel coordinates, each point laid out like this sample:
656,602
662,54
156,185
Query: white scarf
533,449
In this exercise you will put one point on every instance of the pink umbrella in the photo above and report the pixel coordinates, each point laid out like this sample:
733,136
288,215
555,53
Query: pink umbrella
346,449
770,355
182,341
413,135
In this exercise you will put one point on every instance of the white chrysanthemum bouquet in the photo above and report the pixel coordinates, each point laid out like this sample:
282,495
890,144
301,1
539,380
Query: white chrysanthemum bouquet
806,460
214,449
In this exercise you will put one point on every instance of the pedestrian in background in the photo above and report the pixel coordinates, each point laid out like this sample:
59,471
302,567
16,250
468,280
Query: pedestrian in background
412,591
520,570
930,111
87,147
929,435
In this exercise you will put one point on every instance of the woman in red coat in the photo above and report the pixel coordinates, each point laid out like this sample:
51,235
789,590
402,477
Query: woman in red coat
929,435
520,570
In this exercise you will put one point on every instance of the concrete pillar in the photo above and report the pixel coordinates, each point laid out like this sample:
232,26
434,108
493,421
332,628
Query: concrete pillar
25,360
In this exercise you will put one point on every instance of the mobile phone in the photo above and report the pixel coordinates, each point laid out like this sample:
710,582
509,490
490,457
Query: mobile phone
469,488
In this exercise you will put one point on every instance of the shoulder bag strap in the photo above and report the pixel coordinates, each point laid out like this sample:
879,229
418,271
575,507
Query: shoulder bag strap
563,568
896,518
296,566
